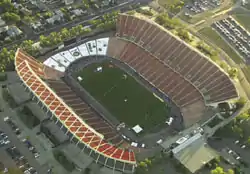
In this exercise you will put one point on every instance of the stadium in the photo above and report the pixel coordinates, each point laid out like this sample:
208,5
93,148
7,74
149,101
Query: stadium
97,91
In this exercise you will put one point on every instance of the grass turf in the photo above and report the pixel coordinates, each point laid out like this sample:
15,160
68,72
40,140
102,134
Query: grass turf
213,36
111,88
243,19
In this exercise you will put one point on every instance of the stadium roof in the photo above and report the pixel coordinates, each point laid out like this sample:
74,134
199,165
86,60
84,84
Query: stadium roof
31,72
194,153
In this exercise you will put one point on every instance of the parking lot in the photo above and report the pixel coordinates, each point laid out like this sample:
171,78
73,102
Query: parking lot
200,6
235,35
234,151
16,148
29,148
17,154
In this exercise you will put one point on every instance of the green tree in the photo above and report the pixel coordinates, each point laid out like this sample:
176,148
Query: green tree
48,14
28,47
164,20
217,170
9,16
6,59
132,12
7,6
27,19
230,171
224,65
44,41
241,102
148,162
65,34
233,72
244,116
184,35
77,30
55,38
143,164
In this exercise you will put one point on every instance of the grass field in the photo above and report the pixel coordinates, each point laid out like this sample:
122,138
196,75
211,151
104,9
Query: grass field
124,97
167,3
243,19
214,37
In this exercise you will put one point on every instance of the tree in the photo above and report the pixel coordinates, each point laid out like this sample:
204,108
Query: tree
48,14
224,65
27,19
217,170
7,6
77,30
148,162
233,72
164,20
44,41
230,171
9,16
6,59
243,116
27,46
241,102
55,38
65,34
132,12
143,164
184,35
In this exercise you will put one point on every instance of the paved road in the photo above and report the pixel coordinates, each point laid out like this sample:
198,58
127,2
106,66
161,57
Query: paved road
122,7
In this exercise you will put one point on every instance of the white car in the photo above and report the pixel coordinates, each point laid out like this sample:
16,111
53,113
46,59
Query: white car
236,142
36,155
6,118
243,146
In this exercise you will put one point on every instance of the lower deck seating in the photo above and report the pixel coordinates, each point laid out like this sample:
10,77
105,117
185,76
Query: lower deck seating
157,73
214,84
85,111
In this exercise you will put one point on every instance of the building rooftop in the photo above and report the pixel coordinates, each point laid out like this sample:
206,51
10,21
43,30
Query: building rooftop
194,153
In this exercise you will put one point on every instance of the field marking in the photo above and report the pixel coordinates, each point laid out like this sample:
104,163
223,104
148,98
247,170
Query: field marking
113,87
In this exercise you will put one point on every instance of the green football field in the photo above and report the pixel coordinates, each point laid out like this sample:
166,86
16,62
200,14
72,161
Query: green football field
123,96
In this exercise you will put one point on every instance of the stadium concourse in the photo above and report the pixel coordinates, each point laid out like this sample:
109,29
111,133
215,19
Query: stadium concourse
181,73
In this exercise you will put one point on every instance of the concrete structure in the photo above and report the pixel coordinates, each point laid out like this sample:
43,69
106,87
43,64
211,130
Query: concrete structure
194,153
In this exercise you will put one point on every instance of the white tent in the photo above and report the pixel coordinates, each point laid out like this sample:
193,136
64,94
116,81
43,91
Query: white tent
137,129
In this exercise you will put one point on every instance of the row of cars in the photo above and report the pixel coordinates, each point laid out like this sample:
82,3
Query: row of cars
31,148
199,6
20,161
17,131
12,125
235,34
236,156
4,139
